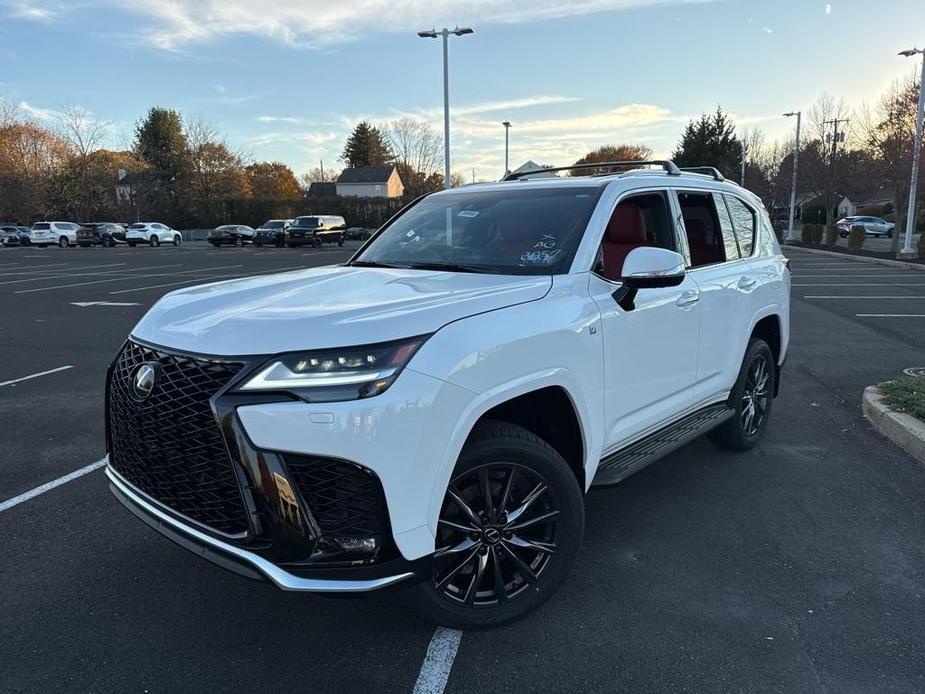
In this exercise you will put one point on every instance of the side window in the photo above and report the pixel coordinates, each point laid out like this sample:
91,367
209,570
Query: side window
743,219
705,237
640,220
733,250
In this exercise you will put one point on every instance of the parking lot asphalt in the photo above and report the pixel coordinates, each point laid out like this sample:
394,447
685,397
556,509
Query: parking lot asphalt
796,567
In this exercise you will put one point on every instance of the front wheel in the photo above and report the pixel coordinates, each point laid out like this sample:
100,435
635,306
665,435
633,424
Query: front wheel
751,399
63,242
509,530
176,240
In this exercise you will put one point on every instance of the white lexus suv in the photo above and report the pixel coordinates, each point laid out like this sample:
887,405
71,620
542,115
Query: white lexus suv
428,415
152,233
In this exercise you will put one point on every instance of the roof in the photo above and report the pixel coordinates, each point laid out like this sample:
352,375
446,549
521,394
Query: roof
319,189
367,174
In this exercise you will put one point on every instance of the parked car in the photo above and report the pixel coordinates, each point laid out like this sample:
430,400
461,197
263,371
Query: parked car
358,234
231,235
431,413
153,233
106,234
873,226
47,233
272,233
13,235
315,230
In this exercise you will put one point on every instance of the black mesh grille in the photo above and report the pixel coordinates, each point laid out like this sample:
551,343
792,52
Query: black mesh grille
169,445
345,499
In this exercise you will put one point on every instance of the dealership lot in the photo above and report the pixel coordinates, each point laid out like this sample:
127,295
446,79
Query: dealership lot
797,566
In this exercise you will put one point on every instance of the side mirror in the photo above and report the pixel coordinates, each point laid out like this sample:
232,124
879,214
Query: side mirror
648,268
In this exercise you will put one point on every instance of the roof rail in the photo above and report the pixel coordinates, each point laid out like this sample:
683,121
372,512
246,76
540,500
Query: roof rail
670,168
706,170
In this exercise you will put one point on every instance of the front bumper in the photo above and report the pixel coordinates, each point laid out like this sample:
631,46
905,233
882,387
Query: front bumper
231,557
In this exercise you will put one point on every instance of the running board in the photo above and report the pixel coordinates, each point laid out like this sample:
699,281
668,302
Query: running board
617,466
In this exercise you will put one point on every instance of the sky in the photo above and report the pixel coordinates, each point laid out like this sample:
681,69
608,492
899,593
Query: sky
286,80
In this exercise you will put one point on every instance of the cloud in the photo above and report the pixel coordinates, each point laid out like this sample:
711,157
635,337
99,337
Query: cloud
33,12
39,113
172,24
828,8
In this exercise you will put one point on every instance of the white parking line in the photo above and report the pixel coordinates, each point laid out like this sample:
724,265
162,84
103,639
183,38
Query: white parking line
890,315
435,670
124,279
31,376
48,486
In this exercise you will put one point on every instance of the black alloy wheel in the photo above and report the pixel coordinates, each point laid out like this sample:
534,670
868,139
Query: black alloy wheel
751,400
508,531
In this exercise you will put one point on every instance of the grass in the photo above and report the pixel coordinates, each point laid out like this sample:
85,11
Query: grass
906,394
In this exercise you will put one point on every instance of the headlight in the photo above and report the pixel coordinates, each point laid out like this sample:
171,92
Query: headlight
335,374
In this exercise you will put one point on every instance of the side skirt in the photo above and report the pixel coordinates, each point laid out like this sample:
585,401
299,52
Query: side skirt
619,465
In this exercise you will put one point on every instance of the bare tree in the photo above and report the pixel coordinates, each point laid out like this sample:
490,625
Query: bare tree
416,146
823,170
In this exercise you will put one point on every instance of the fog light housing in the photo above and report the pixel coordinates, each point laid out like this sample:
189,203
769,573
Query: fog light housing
358,545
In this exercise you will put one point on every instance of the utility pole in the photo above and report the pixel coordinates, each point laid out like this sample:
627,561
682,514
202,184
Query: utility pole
793,185
916,154
507,131
446,33
835,140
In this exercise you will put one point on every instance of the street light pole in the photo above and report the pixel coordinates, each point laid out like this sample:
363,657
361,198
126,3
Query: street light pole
507,130
445,34
916,152
793,185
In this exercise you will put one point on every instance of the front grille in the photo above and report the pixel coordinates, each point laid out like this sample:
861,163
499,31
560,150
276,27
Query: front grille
345,499
169,445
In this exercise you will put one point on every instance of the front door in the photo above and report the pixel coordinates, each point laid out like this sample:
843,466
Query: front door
650,352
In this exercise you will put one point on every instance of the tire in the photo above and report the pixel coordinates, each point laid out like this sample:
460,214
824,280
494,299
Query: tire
132,244
238,241
154,241
340,240
63,242
754,391
109,242
496,453
177,240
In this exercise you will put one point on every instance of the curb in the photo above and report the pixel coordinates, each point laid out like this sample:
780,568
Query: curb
862,258
904,430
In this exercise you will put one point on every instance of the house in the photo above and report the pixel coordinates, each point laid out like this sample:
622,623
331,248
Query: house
370,182
531,165
319,189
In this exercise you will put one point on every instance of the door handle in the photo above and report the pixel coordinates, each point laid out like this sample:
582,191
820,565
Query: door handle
747,282
688,298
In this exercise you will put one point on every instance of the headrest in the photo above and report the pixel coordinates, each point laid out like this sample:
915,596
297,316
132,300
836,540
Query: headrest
696,232
627,225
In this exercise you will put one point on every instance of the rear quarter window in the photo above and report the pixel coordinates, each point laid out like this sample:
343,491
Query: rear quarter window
744,223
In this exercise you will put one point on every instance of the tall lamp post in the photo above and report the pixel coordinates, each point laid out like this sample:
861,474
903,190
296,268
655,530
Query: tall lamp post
445,33
916,152
793,185
507,130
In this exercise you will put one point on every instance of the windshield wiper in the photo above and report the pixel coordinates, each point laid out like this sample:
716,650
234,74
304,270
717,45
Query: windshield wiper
451,267
371,263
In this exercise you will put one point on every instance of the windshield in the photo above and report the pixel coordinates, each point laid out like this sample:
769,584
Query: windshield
533,232
310,222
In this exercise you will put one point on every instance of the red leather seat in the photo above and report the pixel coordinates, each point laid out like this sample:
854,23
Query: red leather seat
701,252
625,231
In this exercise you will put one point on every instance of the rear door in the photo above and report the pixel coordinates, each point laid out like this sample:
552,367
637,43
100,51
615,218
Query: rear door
725,282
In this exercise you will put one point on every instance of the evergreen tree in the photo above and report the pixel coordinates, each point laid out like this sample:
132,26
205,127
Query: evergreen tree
366,146
710,141
161,142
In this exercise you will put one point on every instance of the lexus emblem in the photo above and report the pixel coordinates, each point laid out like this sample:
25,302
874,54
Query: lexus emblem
143,381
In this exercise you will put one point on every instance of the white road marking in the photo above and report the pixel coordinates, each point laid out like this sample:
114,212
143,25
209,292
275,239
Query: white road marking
890,315
897,298
101,273
48,486
31,376
123,279
435,670
205,279
55,270
84,304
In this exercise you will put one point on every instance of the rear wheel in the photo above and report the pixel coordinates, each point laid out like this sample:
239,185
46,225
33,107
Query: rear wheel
340,240
751,398
238,241
154,241
508,532
63,242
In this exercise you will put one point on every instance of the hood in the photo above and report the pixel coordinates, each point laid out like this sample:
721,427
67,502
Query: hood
326,307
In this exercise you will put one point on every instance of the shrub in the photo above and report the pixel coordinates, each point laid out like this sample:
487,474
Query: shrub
831,235
856,237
